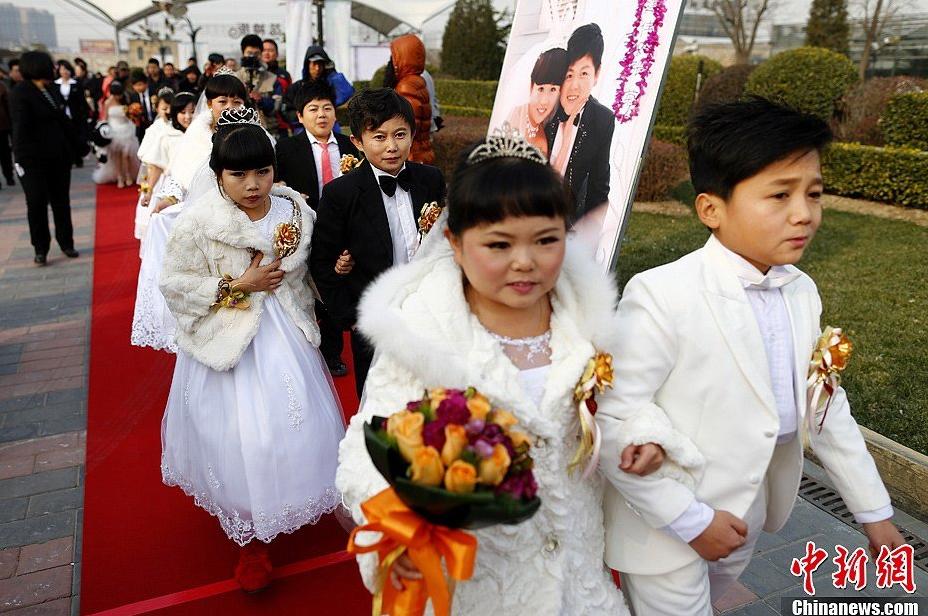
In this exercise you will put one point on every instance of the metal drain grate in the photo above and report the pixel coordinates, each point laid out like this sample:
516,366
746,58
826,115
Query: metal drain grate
829,501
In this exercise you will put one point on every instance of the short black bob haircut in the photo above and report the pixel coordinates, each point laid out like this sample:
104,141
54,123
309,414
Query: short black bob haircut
180,102
368,109
36,65
241,147
731,142
225,85
550,67
309,91
586,40
492,190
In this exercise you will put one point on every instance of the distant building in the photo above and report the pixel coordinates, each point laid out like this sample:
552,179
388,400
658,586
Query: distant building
700,32
26,27
900,48
140,50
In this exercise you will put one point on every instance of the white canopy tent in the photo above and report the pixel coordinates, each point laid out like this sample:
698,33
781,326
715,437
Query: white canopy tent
385,18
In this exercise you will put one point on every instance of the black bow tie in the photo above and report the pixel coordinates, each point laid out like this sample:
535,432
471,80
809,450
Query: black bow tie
388,182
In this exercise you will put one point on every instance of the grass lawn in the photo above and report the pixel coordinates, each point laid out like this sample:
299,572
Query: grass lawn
873,277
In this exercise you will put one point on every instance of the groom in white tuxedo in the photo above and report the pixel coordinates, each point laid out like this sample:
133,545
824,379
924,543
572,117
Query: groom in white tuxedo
717,346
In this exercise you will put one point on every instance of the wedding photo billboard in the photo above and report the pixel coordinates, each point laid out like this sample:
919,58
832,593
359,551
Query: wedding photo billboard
581,81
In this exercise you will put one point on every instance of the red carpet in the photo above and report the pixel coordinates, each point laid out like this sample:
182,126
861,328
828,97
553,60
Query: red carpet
146,547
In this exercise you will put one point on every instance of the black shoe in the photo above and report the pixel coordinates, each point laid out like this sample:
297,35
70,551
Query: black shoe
337,367
9,180
40,259
71,253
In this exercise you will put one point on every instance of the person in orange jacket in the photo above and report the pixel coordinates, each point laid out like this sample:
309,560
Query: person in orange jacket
407,61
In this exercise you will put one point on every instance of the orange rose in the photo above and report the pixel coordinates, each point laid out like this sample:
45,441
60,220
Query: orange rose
426,467
479,406
841,352
406,428
455,442
460,477
503,419
493,469
603,371
436,396
519,438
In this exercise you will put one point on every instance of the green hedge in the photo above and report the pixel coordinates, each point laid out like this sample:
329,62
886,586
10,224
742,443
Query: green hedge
467,112
361,84
808,78
460,93
680,87
670,134
893,175
905,121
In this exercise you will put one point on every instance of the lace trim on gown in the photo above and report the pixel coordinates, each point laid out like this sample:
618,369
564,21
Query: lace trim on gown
264,525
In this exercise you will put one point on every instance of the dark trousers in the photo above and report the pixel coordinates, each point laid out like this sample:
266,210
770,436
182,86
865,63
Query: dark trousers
363,354
48,183
6,156
333,343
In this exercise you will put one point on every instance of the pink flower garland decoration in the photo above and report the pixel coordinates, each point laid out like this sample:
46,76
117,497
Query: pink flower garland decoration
626,111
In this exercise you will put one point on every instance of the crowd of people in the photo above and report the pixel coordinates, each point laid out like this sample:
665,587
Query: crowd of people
267,234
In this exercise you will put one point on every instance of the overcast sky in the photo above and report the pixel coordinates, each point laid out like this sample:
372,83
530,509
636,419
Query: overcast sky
73,24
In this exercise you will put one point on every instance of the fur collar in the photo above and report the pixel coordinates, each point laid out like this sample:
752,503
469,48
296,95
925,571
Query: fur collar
418,315
220,220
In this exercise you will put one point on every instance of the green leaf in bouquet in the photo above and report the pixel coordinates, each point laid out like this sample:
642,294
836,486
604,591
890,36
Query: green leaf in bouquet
382,449
470,511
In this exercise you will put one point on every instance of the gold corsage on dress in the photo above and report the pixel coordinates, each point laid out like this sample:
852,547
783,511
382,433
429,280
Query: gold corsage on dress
348,162
287,235
428,218
597,377
829,359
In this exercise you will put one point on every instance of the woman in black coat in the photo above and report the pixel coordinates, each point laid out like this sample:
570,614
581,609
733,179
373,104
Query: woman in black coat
75,101
45,144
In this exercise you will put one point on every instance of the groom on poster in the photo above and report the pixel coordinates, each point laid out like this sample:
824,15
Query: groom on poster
580,133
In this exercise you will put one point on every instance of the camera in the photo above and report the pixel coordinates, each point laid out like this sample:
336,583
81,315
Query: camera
251,63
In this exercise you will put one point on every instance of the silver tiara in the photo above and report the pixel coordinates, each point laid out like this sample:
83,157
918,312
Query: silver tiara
238,115
506,142
164,92
224,70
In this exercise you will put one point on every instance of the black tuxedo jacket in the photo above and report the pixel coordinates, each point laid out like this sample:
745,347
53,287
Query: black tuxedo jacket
146,119
296,164
41,133
587,174
351,216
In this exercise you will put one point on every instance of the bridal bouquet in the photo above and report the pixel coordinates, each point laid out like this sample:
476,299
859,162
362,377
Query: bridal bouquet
134,113
453,462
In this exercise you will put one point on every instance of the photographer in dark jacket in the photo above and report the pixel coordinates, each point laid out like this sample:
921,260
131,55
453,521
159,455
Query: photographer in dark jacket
45,144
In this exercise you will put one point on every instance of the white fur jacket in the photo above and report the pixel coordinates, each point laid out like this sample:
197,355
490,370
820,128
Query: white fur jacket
425,335
211,238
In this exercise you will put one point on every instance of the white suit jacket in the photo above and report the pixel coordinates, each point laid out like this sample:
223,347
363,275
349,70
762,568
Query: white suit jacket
689,351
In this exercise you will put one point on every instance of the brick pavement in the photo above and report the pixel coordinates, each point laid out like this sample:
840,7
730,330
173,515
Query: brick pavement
44,348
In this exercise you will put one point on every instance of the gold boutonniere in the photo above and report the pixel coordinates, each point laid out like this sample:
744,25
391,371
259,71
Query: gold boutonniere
428,217
348,162
829,359
287,235
597,377
228,296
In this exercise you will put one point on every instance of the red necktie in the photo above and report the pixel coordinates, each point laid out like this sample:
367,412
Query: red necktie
326,164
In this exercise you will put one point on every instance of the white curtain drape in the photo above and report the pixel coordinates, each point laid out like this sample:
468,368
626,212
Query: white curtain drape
301,28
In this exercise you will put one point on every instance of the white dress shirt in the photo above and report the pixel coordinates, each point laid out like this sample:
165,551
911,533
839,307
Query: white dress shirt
403,229
769,308
335,156
559,139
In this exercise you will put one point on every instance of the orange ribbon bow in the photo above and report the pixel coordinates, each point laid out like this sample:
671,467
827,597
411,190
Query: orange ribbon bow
403,530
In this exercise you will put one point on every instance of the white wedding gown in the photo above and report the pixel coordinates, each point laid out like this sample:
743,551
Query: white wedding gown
122,139
256,446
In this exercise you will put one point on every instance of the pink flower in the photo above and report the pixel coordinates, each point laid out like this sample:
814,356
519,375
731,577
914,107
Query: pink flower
519,485
433,434
453,409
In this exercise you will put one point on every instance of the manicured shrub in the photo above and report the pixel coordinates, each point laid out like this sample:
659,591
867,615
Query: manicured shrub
725,87
670,134
458,134
665,166
892,175
462,93
905,121
680,87
865,103
808,78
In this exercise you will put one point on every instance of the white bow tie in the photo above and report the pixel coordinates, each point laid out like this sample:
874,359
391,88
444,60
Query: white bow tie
774,279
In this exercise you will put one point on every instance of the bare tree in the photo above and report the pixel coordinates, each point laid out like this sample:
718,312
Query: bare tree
876,14
741,19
